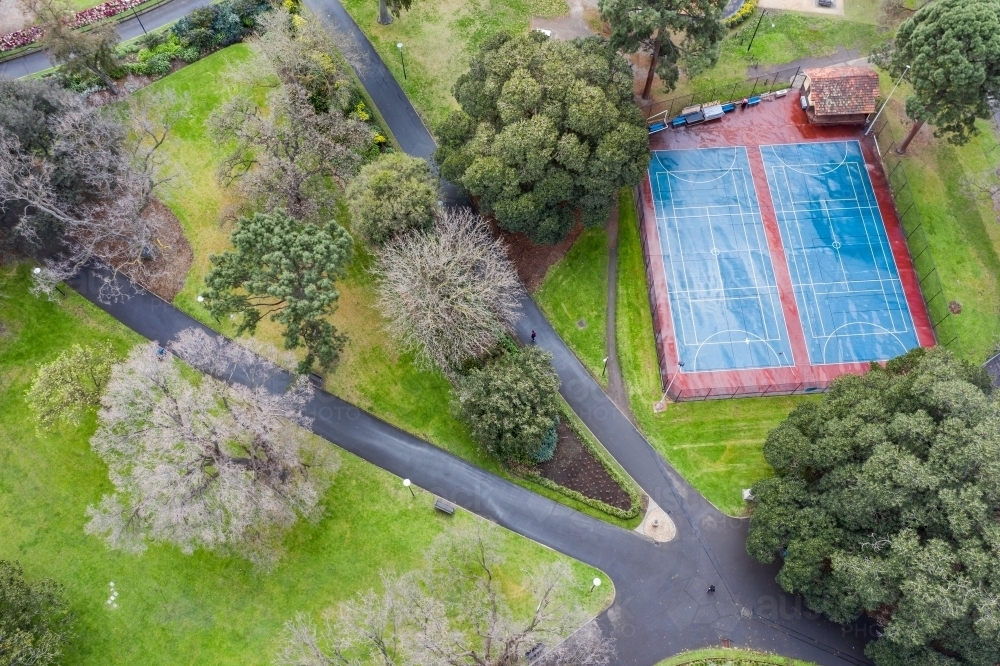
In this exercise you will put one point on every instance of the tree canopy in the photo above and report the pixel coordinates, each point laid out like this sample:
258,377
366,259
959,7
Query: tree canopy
391,195
90,51
547,133
885,502
286,269
512,404
35,621
953,50
676,32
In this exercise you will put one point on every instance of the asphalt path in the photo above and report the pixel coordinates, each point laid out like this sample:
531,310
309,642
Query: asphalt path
127,28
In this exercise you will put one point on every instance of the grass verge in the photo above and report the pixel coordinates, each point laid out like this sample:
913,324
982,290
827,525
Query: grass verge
438,36
575,290
728,657
961,226
201,608
716,445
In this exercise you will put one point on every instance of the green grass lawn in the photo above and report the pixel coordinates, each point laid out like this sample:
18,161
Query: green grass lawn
438,37
716,445
963,230
730,657
197,609
793,36
372,373
576,290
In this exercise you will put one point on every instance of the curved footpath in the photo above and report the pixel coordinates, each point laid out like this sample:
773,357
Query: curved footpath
127,28
661,605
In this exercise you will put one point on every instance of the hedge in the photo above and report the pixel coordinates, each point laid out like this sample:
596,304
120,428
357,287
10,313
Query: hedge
744,12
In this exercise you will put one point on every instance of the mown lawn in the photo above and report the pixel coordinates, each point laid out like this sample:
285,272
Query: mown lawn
575,290
716,445
438,36
793,36
372,373
730,657
962,228
203,608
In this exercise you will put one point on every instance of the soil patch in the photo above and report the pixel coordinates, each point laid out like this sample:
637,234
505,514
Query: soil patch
531,261
13,16
174,257
576,468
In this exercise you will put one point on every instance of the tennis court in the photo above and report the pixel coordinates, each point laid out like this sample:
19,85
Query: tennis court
844,277
720,280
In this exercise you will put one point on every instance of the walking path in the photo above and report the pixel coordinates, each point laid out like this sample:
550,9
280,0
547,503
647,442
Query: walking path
661,605
129,28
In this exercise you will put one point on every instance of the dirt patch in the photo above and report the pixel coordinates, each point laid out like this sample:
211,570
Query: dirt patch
174,257
576,468
531,261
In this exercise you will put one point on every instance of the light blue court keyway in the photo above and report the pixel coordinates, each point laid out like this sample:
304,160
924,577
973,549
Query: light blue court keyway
844,277
720,280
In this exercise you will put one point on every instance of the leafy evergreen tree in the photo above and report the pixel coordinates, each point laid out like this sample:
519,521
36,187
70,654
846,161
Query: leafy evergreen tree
392,195
35,621
547,133
885,502
675,32
953,50
512,404
286,269
90,51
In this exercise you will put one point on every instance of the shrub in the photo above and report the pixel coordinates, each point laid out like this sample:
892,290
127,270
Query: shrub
512,404
35,621
219,25
744,12
392,195
548,448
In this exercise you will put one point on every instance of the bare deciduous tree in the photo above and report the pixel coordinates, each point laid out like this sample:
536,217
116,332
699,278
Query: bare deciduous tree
205,464
95,185
282,158
451,292
452,614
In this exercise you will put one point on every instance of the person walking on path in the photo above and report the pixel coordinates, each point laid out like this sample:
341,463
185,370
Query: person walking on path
532,337
711,589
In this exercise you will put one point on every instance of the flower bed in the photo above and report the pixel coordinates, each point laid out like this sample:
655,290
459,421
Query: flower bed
30,35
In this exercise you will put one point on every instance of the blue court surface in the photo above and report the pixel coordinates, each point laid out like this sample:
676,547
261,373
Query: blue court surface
720,280
844,276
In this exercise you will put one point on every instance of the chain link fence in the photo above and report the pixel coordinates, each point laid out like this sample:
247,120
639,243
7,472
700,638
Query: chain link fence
916,238
728,92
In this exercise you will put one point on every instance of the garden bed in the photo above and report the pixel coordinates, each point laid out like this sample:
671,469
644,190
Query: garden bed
583,470
576,468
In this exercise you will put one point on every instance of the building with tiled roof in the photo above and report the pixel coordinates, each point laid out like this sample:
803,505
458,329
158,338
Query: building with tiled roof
839,95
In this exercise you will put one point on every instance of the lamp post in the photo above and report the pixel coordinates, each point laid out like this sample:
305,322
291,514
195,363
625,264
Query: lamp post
762,15
36,270
597,583
605,366
399,45
900,80
140,21
406,482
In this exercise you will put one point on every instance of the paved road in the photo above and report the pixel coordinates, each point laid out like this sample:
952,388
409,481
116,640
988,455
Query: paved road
127,28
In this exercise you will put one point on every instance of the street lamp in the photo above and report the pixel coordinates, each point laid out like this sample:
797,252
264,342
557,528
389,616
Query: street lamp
763,14
597,583
399,45
406,482
140,21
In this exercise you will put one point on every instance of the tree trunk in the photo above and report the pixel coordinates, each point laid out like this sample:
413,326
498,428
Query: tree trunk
652,69
104,77
901,148
384,17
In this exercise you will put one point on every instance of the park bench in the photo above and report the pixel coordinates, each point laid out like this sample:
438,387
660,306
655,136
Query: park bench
444,506
535,652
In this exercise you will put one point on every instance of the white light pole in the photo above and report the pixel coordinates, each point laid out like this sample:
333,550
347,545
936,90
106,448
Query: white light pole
406,483
399,45
870,126
597,583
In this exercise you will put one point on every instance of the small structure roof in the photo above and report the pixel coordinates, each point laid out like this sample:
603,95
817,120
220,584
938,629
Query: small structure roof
843,90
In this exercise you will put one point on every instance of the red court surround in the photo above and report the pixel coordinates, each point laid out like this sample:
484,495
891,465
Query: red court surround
780,121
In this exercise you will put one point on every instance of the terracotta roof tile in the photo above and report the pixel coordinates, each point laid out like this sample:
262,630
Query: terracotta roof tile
843,90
